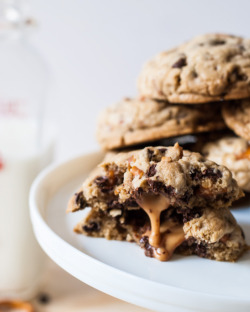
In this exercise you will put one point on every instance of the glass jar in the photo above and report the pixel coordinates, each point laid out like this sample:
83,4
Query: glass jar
25,149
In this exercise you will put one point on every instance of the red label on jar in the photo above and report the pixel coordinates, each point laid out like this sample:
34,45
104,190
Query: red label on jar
1,163
13,107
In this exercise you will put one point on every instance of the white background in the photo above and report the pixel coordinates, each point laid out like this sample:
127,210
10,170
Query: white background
96,48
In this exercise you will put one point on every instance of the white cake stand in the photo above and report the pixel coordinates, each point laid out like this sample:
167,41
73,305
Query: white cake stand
120,268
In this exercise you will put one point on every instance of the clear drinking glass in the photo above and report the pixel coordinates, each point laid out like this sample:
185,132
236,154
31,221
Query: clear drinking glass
24,149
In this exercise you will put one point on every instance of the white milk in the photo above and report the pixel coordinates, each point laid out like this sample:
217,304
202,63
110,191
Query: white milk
21,259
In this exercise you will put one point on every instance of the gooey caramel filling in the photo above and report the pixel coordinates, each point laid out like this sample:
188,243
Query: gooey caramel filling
171,239
153,208
172,235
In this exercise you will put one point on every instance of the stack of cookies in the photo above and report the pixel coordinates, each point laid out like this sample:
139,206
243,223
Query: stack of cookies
165,198
200,86
232,151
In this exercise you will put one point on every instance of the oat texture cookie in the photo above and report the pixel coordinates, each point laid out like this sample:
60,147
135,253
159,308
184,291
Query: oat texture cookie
205,69
234,153
166,200
237,117
134,121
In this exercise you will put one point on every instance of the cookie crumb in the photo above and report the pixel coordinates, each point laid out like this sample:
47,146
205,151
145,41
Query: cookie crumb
44,298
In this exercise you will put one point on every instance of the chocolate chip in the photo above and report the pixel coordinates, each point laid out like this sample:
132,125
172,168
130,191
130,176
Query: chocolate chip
169,190
217,42
201,250
151,171
178,81
171,214
138,219
186,197
101,181
190,241
210,173
190,213
236,75
241,48
149,251
104,184
156,186
144,241
79,200
130,203
194,74
180,63
150,154
243,77
107,189
44,298
155,157
239,75
162,150
91,227
138,192
114,204
195,174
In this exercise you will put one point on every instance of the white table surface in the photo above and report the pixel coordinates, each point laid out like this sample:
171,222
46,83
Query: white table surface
67,294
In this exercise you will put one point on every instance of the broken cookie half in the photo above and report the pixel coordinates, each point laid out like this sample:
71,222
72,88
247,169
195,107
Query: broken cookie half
166,200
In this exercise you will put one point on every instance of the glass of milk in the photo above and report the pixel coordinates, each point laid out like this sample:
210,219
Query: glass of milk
25,148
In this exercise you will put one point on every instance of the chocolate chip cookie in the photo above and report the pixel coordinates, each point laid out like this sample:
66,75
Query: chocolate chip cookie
237,117
207,68
134,121
234,153
164,199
